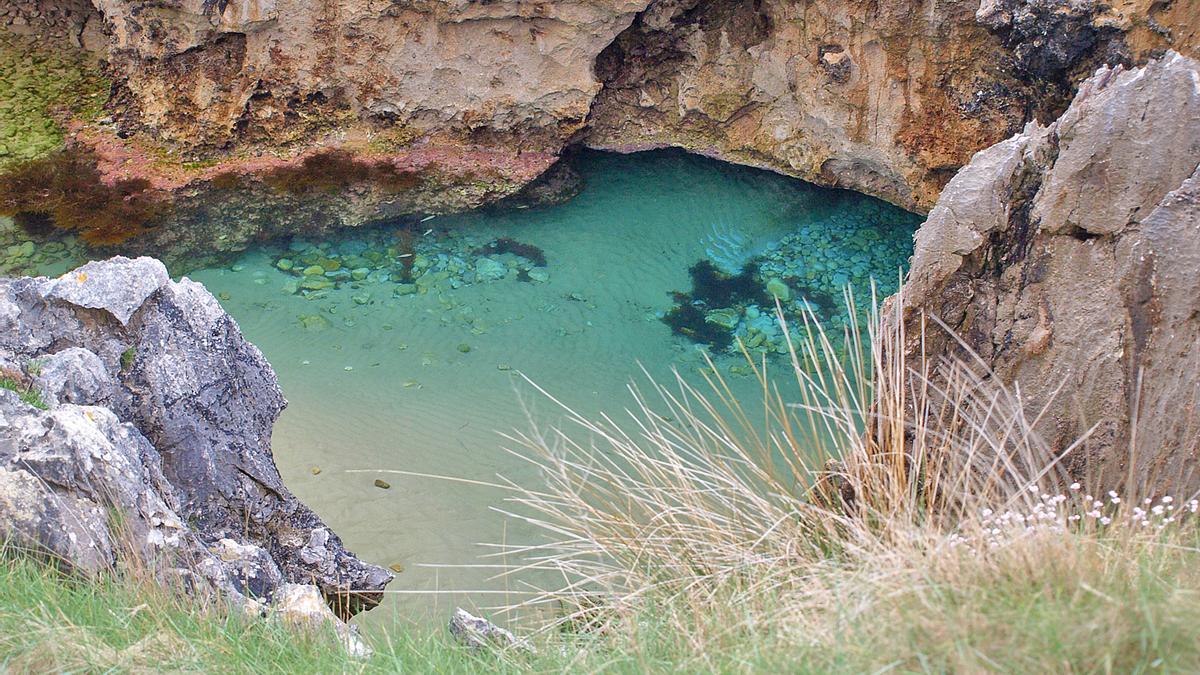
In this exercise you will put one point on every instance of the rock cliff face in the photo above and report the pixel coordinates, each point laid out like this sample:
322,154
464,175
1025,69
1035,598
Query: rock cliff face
135,421
1066,258
885,98
234,120
225,114
203,74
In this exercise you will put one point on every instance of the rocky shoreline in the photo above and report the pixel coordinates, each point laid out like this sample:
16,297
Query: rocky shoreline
302,120
135,425
135,420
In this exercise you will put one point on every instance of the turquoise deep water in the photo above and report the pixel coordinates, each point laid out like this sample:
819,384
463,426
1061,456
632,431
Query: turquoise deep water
400,348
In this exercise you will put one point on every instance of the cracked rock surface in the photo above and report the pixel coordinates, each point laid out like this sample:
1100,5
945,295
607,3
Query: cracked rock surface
1066,258
139,417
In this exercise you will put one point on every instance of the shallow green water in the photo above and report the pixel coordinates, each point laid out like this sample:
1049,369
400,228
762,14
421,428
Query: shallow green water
424,381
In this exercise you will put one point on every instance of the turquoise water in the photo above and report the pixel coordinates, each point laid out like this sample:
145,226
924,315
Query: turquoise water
401,347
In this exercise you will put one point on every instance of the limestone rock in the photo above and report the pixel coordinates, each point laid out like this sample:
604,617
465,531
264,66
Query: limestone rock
119,286
63,527
1066,258
886,98
302,606
479,633
180,447
73,375
264,65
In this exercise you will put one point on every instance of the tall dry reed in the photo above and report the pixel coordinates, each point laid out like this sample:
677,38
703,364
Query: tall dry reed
868,478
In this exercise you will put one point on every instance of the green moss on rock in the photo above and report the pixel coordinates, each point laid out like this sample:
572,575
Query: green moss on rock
39,89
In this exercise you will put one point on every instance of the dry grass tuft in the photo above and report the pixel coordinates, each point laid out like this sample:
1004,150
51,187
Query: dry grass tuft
883,514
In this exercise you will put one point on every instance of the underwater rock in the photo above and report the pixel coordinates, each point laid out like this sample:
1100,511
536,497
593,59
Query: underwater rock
490,269
315,283
806,271
179,445
314,322
725,318
728,249
778,290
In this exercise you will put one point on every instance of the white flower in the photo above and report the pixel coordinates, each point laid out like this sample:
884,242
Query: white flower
1168,499
1105,520
986,512
1075,487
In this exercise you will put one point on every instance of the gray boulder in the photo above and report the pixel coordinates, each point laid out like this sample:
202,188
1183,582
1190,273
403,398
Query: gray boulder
479,633
74,375
159,420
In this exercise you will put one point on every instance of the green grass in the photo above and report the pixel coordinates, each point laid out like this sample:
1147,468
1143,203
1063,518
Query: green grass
50,622
27,393
1091,606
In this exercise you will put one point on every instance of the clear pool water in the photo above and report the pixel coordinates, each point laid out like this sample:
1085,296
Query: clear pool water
384,373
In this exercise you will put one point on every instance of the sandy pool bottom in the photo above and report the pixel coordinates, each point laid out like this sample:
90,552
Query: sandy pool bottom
426,382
